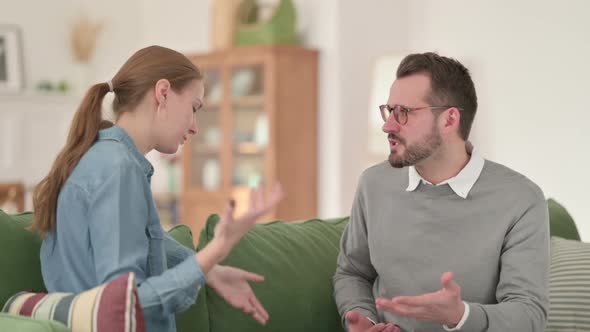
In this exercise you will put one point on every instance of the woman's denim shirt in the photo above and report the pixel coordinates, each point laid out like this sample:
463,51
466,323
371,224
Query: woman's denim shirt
108,225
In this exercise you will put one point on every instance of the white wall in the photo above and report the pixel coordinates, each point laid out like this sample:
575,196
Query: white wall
530,65
366,32
319,24
45,28
34,126
182,25
528,60
531,62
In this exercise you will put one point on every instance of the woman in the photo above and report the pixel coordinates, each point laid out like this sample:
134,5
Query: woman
95,209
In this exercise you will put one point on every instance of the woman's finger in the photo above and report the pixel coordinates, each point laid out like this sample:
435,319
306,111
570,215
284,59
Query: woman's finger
259,308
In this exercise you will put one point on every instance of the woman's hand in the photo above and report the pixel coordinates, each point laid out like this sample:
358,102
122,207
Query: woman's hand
232,285
231,230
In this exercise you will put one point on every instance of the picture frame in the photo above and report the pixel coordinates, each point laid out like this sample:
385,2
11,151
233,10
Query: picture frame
11,60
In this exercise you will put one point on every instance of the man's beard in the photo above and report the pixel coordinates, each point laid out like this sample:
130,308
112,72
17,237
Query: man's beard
416,152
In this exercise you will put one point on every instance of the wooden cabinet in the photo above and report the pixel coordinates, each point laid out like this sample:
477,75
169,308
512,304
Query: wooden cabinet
258,126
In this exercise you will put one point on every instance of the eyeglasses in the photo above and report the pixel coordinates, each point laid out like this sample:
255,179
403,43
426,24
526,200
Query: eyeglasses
400,113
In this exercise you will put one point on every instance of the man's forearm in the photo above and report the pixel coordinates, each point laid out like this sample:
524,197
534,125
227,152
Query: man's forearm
354,292
506,316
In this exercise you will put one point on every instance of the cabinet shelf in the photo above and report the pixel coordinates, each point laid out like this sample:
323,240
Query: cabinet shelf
211,105
205,149
249,102
249,148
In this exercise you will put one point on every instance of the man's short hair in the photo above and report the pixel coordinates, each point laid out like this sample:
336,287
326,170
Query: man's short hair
450,84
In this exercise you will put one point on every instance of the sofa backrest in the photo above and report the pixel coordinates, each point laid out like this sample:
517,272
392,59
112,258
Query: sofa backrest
20,267
298,260
561,223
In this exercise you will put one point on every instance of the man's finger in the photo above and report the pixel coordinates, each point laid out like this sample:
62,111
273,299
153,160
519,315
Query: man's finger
401,309
377,328
418,300
448,282
391,328
352,317
384,304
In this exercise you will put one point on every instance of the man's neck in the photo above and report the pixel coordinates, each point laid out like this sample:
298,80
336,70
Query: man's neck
444,164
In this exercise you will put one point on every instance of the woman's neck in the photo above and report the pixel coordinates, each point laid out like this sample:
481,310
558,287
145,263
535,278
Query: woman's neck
137,126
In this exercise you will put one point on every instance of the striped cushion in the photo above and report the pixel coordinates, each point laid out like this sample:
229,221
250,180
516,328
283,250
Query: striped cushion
569,286
112,307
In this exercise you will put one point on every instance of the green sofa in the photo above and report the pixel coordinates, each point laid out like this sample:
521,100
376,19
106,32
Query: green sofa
298,260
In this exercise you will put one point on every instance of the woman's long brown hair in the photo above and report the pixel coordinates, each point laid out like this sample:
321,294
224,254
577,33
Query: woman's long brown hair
136,77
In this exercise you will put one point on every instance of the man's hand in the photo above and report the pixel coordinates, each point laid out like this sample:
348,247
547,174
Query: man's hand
359,323
232,285
444,306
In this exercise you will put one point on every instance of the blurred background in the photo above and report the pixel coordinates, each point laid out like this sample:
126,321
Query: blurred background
297,87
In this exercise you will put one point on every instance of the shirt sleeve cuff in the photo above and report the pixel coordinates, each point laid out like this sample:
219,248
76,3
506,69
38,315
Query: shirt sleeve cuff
372,321
362,312
462,321
189,273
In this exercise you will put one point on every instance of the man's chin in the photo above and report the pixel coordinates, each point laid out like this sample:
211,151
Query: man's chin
396,162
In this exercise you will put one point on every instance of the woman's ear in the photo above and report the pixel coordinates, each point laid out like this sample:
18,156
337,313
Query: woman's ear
162,90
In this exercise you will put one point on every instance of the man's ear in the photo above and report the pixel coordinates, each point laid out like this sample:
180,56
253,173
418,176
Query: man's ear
452,119
162,89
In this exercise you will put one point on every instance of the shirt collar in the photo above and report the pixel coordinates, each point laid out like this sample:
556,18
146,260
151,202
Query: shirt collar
118,134
461,183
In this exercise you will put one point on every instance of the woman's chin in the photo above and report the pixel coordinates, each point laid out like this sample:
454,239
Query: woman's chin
168,150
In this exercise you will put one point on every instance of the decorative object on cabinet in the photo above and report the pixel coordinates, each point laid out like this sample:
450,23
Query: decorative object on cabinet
83,37
278,27
260,130
223,23
47,87
83,40
11,60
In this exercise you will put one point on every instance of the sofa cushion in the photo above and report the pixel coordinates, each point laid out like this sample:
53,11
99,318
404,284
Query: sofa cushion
19,256
113,306
569,286
21,323
298,260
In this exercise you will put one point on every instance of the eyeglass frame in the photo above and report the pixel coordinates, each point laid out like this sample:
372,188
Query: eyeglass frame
386,108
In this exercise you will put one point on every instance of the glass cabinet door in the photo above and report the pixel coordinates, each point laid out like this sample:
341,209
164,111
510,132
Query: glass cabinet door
206,145
250,130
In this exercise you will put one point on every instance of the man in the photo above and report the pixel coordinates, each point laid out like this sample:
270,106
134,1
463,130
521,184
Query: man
439,238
